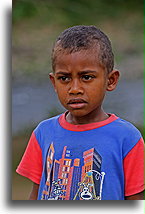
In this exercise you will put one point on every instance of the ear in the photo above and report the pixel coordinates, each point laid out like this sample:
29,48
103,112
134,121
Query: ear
113,78
52,78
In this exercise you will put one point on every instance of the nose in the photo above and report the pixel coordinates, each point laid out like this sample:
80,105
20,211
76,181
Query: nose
76,87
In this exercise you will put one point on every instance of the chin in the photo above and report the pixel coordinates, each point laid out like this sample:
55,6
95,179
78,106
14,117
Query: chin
78,113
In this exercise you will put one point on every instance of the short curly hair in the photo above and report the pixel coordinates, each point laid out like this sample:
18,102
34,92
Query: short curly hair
83,37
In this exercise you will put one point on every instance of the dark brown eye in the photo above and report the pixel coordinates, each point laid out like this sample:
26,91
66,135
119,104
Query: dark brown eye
87,77
64,78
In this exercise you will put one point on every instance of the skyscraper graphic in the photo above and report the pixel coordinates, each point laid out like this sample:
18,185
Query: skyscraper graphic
92,163
55,170
64,170
49,165
68,179
73,180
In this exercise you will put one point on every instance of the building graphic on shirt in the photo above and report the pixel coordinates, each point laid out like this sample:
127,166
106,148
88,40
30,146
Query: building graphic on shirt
49,165
91,177
67,179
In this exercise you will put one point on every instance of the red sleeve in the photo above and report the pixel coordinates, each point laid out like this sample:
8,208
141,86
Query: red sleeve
31,163
134,169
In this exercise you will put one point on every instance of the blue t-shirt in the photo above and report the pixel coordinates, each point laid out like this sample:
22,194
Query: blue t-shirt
84,162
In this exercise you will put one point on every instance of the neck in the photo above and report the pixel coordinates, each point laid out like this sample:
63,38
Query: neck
86,119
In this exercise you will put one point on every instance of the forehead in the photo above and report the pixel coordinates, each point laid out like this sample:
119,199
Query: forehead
82,59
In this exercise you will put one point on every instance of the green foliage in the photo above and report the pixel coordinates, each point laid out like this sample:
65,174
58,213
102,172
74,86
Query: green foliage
23,9
73,11
37,23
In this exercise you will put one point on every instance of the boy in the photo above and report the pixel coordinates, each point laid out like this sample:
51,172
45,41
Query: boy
85,153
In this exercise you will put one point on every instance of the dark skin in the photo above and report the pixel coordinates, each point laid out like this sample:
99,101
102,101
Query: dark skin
34,192
138,196
79,76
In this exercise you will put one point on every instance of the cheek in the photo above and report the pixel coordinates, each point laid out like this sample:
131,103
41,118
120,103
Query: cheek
61,91
96,89
61,94
96,93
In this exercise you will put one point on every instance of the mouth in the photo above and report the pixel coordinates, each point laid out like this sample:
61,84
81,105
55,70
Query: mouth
77,103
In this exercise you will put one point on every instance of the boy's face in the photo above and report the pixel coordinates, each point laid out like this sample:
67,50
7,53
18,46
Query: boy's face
80,82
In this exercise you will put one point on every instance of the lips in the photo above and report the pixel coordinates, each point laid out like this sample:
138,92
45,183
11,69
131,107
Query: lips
77,103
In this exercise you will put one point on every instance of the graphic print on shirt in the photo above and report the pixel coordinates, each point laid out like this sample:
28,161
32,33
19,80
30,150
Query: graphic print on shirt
73,179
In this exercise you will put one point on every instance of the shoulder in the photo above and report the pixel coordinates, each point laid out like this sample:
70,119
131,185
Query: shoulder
126,128
48,122
128,134
46,128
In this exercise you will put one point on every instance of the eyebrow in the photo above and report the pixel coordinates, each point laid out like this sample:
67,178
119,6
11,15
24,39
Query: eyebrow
62,72
86,72
80,72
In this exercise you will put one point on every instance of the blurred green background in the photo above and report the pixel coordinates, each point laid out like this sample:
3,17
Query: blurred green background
37,23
